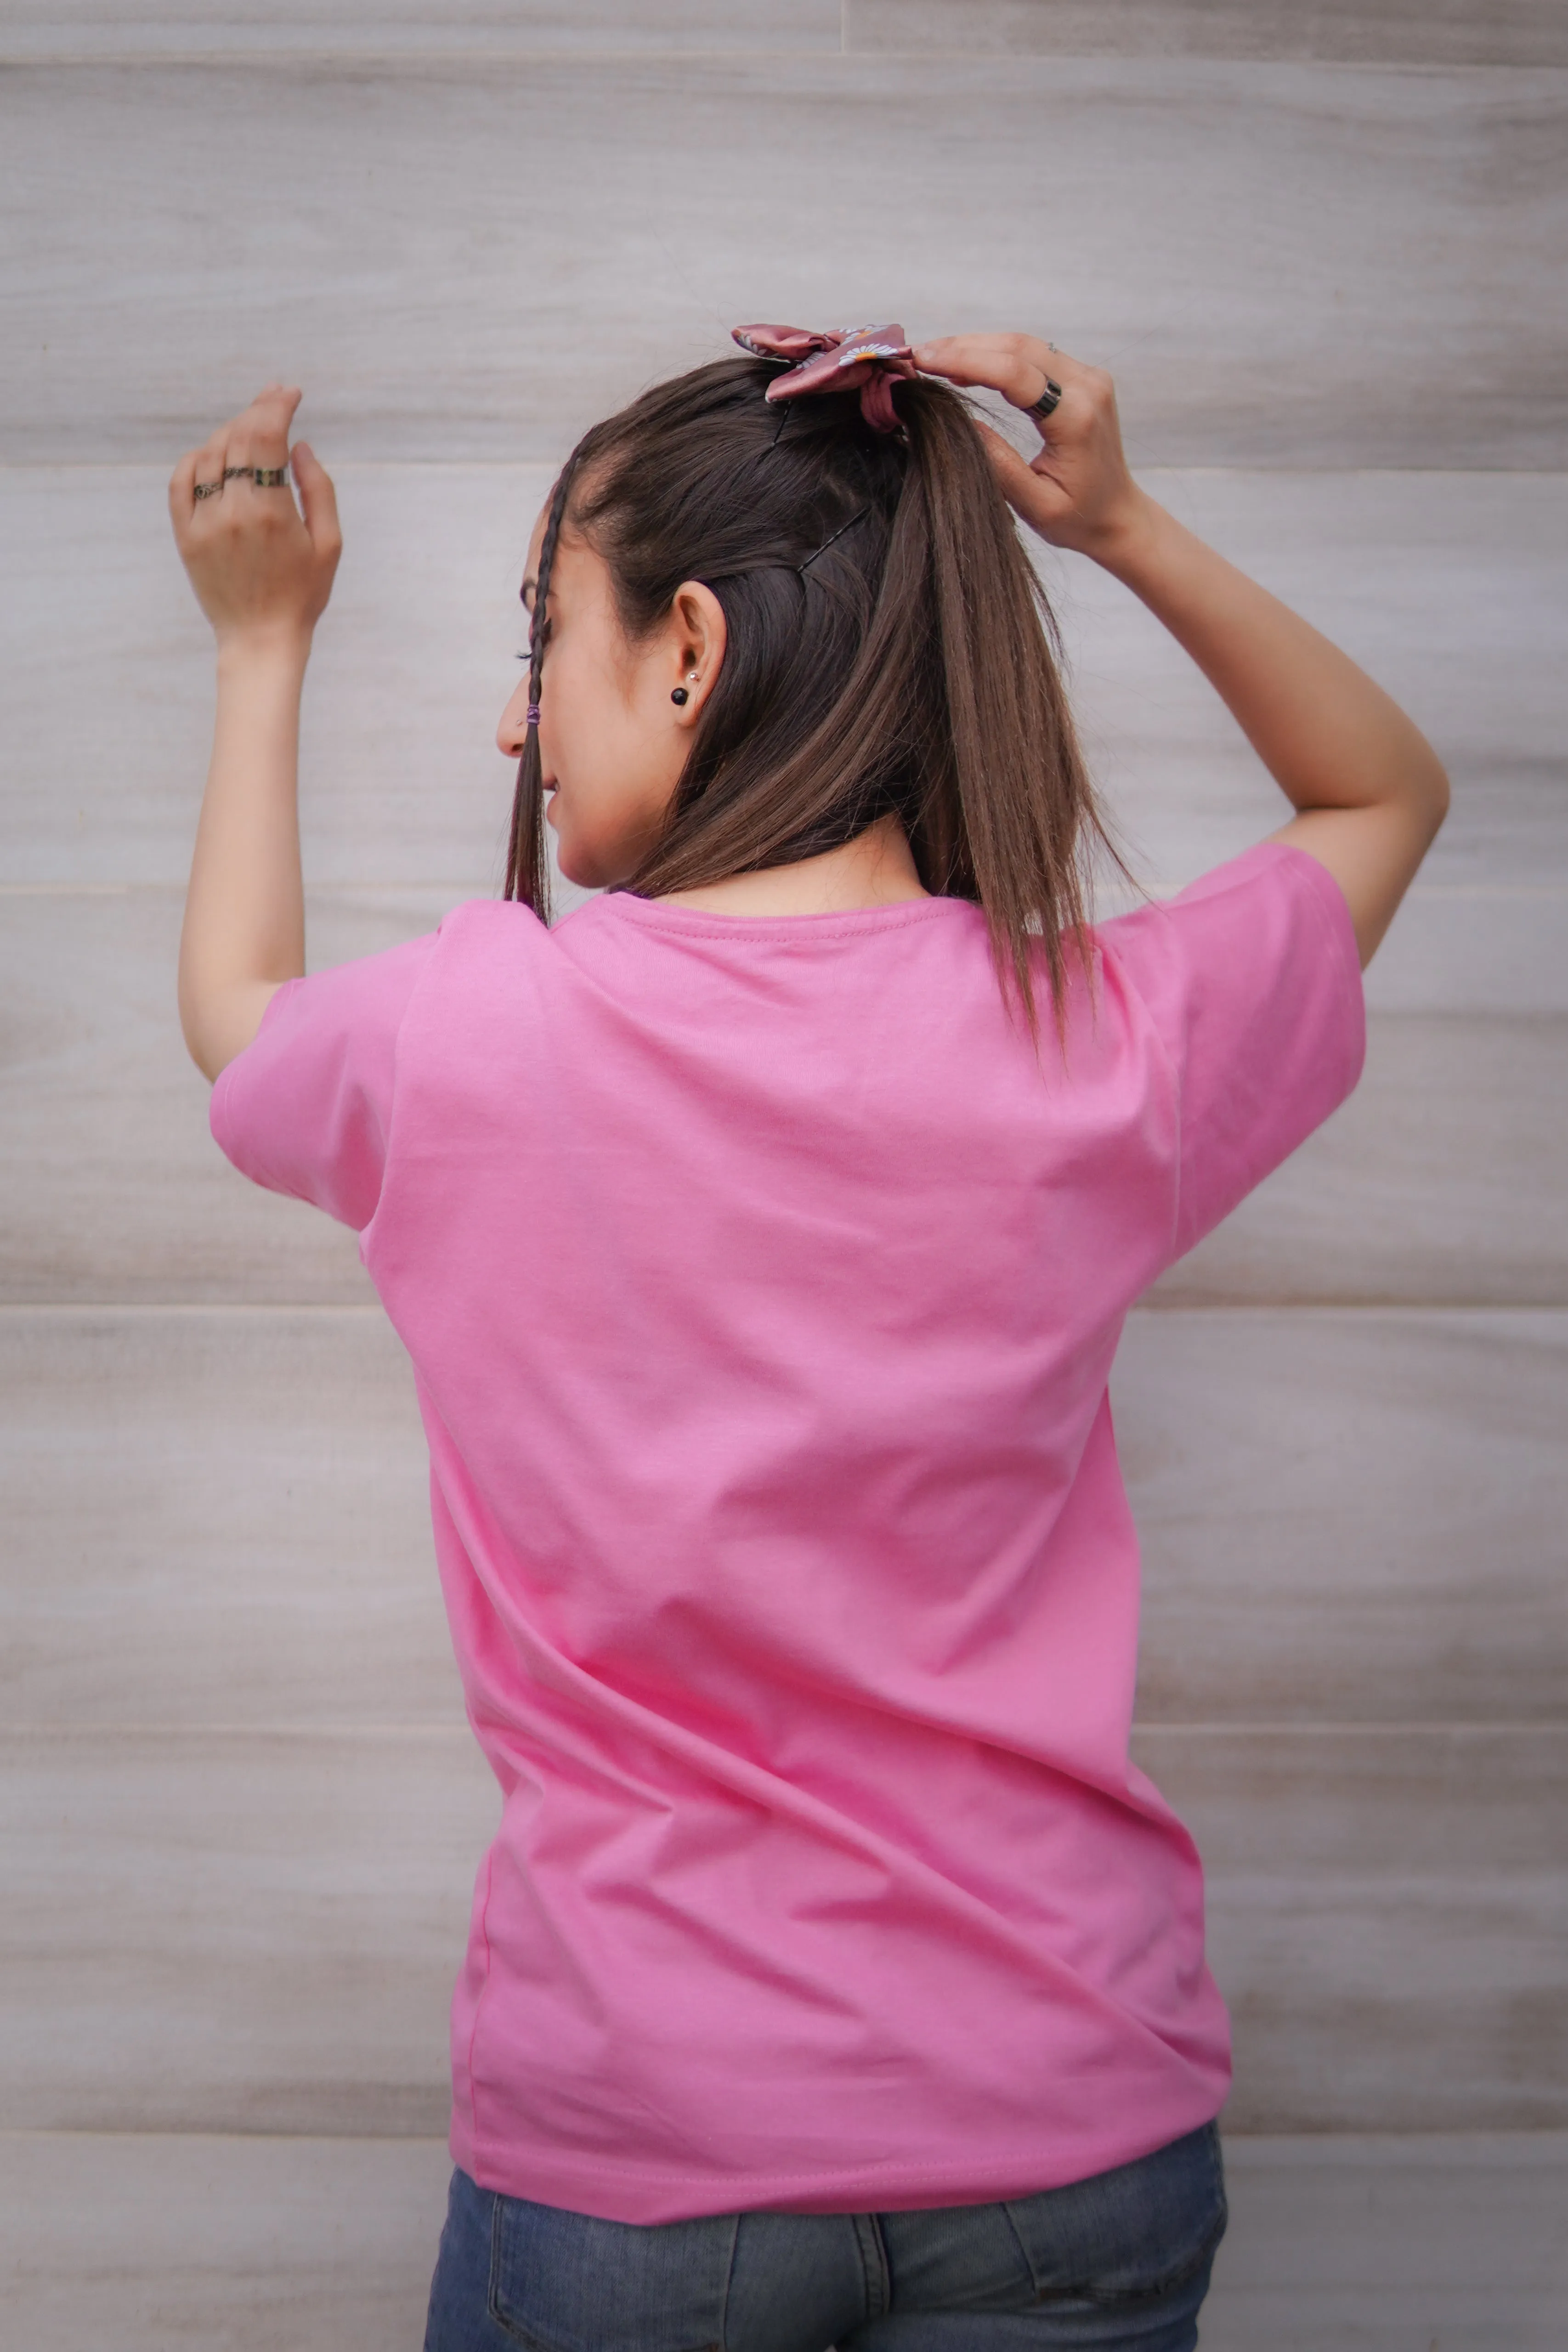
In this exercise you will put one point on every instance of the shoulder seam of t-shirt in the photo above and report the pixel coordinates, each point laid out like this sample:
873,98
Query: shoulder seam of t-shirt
1334,914
218,1110
1329,900
1316,885
1232,874
1332,917
426,969
1163,1047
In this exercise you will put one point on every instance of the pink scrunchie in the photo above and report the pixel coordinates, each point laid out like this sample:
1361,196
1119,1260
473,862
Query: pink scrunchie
872,357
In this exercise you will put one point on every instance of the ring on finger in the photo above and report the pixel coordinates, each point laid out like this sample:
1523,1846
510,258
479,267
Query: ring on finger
209,489
1047,402
266,477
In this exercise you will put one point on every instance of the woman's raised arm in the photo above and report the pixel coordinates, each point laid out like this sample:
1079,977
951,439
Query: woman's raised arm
1369,790
262,572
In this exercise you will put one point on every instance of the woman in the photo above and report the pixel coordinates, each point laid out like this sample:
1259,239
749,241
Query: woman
761,1236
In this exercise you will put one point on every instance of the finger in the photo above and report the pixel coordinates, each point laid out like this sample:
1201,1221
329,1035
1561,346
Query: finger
207,466
259,437
319,501
1034,498
183,493
1010,364
257,444
1019,482
1018,366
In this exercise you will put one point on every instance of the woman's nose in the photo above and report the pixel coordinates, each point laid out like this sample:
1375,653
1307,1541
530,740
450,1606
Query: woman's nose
513,728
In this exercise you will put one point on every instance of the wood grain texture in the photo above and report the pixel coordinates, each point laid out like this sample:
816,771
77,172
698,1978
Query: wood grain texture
1391,2244
216,1518
1446,33
401,779
110,1184
238,1810
1386,1912
1474,951
1452,592
1442,1180
235,1931
222,1516
95,29
1286,264
1382,32
196,2243
232,1931
1349,1517
326,2245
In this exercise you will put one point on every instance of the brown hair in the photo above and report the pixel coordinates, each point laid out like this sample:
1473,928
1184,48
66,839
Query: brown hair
890,648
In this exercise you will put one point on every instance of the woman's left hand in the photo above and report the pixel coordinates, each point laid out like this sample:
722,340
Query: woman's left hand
1076,492
262,570
1369,790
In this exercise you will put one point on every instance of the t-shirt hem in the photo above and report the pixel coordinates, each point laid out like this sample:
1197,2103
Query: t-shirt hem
645,2196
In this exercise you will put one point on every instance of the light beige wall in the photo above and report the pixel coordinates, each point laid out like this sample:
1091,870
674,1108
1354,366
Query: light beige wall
1322,250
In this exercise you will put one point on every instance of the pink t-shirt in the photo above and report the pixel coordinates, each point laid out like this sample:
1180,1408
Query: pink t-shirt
762,1291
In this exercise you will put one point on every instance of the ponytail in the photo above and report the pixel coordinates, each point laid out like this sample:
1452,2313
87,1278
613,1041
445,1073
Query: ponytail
890,651
1022,798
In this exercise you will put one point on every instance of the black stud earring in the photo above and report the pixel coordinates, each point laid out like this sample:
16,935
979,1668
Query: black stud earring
679,694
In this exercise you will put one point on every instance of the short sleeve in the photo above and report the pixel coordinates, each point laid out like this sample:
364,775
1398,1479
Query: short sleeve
1252,981
306,1108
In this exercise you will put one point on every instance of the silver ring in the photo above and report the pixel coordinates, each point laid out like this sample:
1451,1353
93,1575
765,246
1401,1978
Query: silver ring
208,490
1047,402
268,477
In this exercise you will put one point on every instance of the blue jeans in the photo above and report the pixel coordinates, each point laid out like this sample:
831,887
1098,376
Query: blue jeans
1120,2263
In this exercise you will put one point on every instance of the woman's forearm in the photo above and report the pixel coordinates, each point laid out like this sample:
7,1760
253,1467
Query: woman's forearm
245,914
262,570
1328,736
1369,789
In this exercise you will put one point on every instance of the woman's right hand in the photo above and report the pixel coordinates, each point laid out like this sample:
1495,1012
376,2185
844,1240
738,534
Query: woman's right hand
262,570
1076,492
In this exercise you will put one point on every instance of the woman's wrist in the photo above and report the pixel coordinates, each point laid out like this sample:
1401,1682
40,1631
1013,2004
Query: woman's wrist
277,651
1125,538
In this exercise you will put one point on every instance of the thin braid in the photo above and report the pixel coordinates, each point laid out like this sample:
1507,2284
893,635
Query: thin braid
527,855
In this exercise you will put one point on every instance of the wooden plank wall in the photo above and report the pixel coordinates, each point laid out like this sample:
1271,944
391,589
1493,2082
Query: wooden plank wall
1323,249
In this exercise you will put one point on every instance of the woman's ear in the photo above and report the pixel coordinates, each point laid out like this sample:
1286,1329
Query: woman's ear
698,636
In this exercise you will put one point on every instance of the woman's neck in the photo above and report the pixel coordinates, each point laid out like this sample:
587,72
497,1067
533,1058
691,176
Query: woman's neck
875,869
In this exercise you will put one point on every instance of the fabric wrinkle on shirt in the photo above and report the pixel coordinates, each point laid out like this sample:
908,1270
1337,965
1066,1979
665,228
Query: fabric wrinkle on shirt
761,1290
